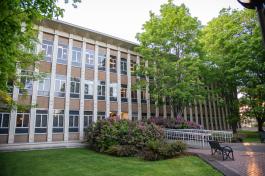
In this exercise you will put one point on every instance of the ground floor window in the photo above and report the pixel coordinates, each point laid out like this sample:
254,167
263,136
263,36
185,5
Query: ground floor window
41,121
134,116
73,121
88,118
22,123
58,121
4,122
101,116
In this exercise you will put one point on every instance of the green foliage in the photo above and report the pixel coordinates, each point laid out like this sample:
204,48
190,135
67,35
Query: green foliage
157,150
18,38
122,150
234,58
106,133
170,47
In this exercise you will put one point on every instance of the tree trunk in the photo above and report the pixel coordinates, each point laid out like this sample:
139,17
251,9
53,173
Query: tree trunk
260,123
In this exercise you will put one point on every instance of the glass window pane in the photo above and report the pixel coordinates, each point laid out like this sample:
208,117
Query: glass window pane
26,120
44,120
85,121
19,120
38,121
61,121
77,88
71,121
55,120
76,121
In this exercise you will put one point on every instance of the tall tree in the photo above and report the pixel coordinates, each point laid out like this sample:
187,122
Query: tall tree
170,47
18,38
234,54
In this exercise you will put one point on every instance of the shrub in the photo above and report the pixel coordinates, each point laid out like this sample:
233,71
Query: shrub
122,150
177,123
157,150
106,133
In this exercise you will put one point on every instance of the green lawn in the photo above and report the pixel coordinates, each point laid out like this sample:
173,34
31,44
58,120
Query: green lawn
79,162
249,136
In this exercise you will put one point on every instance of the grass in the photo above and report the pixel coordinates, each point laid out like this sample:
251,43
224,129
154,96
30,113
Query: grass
80,162
249,136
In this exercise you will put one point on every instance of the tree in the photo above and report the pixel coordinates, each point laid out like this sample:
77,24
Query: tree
18,38
233,49
170,47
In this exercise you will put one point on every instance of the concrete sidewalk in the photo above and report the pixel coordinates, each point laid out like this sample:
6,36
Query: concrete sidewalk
246,163
40,146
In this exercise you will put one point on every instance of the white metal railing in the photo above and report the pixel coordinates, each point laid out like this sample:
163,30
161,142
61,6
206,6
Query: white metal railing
198,137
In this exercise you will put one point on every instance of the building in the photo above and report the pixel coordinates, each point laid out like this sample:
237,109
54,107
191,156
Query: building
88,76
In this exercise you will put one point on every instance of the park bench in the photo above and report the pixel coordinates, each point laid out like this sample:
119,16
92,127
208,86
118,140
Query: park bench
226,151
262,136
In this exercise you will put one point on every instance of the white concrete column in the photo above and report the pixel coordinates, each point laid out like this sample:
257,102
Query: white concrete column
108,82
206,115
157,109
201,115
164,107
13,114
67,90
119,81
148,108
139,103
82,91
34,94
185,113
95,96
191,114
196,111
210,109
129,85
223,118
52,88
220,118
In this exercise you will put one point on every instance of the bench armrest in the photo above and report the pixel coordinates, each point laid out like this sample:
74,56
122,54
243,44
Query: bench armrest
227,147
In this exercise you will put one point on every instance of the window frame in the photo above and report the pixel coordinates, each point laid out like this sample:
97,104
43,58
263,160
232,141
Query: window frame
59,128
101,93
113,63
90,58
102,59
114,87
41,129
44,86
62,84
123,66
74,116
123,93
63,48
22,129
90,87
49,45
76,60
74,83
4,129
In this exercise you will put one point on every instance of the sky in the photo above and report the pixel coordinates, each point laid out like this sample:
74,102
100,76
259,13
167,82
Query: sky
124,18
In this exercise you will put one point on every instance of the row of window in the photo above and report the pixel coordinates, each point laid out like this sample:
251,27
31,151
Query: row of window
41,122
60,83
62,55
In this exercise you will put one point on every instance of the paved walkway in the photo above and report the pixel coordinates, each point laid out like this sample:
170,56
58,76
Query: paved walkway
249,160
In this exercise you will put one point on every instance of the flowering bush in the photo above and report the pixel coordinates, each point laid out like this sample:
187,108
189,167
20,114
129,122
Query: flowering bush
106,133
177,123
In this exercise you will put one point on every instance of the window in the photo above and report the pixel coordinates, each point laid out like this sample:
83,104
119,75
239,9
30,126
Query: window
134,96
113,91
89,89
88,118
60,82
101,116
113,64
22,123
133,66
124,93
47,47
90,54
58,121
123,66
62,54
41,121
101,61
73,121
134,116
143,96
76,56
75,88
26,79
4,123
101,90
144,116
44,86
